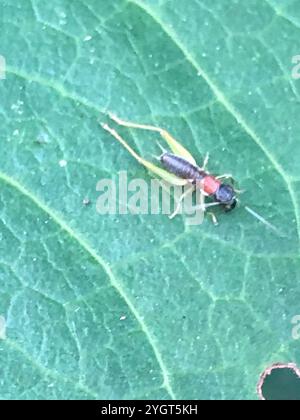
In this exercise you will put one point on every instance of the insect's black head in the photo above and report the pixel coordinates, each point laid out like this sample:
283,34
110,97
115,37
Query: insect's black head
226,196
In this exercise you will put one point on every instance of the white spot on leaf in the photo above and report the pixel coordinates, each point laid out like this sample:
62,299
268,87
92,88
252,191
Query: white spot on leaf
63,163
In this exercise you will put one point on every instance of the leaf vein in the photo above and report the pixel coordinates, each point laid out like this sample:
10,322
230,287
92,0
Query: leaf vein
99,260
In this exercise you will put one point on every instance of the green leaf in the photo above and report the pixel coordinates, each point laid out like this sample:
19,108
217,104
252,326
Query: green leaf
130,306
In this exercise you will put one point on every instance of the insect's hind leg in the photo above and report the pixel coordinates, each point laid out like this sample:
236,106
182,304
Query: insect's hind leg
175,146
163,174
122,141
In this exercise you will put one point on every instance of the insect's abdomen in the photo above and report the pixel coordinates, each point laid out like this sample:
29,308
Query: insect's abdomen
180,167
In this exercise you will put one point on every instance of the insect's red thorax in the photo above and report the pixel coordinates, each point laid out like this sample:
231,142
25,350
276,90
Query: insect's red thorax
210,184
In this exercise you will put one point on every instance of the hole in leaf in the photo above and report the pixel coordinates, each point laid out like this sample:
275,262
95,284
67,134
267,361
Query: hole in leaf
280,382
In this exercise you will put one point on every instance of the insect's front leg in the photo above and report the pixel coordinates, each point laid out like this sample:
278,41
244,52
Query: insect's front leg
205,206
194,186
232,180
182,197
213,217
226,176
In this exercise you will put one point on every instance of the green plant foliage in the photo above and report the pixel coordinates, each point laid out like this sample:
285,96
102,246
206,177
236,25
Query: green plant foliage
125,306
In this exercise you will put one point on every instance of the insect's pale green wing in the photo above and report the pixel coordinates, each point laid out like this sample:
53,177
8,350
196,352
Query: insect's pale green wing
177,148
166,176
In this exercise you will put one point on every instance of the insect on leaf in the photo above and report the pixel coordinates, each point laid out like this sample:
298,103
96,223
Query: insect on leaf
123,306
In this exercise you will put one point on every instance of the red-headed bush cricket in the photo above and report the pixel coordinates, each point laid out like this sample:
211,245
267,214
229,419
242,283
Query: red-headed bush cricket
180,169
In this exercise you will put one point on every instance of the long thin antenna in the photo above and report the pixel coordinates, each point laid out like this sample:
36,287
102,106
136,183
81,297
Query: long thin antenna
264,221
